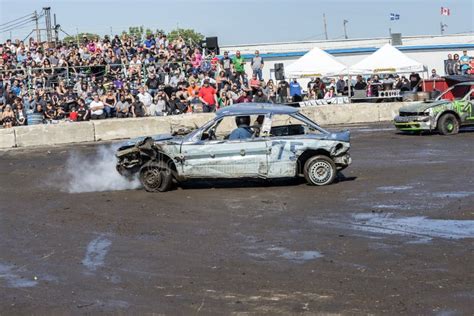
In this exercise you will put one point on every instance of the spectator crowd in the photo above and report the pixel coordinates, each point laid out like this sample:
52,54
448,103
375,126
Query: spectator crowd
122,77
126,77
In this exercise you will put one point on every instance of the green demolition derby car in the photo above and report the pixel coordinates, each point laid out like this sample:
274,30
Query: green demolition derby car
446,114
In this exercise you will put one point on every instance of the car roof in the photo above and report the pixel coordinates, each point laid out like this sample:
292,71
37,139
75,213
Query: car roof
256,108
467,83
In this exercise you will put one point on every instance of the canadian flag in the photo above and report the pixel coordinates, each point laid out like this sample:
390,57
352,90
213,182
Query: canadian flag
445,11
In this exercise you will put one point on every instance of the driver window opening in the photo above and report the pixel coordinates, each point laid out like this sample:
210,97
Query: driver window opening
286,125
224,128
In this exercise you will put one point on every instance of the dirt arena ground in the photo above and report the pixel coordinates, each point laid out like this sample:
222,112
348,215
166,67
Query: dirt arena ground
394,237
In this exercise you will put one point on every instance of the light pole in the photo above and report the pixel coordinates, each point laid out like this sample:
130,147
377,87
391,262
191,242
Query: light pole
345,29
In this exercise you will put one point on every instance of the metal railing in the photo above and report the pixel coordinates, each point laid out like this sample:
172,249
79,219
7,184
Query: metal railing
70,74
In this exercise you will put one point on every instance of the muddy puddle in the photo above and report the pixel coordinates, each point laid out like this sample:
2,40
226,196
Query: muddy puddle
423,229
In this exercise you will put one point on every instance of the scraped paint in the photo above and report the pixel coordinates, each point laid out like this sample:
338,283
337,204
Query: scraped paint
395,188
304,255
423,228
96,251
458,194
8,273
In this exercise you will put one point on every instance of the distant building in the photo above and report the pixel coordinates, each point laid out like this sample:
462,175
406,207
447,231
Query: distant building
431,50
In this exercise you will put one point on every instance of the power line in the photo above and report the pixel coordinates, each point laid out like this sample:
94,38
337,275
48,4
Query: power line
31,15
16,26
20,23
316,36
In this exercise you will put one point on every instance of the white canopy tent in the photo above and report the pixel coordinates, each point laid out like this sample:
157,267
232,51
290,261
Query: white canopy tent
387,59
315,63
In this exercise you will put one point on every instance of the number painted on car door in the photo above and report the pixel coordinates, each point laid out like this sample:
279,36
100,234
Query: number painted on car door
282,158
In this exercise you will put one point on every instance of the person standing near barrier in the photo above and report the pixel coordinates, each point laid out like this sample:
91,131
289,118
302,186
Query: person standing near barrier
340,85
208,97
226,64
319,88
283,91
239,64
449,65
295,91
464,62
457,64
257,65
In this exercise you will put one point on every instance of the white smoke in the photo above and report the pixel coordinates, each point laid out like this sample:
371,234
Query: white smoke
86,173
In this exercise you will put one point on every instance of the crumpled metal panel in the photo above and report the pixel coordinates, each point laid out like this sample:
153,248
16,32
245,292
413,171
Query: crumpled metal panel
264,157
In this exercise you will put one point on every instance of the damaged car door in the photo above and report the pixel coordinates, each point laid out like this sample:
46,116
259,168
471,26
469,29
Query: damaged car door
214,156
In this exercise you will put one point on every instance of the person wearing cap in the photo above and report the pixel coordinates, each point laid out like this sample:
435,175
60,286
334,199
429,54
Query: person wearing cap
208,97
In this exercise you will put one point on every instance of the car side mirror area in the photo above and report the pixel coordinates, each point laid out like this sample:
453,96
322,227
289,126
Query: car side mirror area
205,136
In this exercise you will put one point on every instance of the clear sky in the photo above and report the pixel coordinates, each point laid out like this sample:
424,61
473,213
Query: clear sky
249,21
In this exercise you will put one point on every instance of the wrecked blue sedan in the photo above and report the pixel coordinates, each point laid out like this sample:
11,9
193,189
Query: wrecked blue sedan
250,140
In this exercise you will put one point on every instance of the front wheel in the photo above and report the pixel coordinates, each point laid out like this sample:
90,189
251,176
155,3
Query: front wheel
156,177
320,170
448,124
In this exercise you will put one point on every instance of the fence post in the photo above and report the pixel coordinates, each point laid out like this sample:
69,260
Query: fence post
68,80
28,74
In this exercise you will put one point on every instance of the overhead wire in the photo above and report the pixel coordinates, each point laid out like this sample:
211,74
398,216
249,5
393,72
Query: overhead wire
17,26
24,23
31,15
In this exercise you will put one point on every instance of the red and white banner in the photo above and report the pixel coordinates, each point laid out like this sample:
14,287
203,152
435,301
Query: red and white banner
445,11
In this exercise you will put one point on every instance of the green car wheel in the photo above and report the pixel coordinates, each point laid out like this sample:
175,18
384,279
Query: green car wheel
448,124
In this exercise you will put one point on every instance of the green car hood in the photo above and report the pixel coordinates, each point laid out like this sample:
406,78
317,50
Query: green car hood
420,107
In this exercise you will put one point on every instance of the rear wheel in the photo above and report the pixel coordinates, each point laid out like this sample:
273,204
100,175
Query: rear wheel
448,124
156,177
320,170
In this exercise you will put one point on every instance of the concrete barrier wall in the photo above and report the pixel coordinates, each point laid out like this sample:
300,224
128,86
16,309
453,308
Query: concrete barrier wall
54,134
43,135
130,128
387,111
7,138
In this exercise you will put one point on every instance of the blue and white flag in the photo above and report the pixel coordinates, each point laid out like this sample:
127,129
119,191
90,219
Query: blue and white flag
394,16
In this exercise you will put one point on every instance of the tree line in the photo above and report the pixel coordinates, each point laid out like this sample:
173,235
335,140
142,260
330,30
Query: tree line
140,32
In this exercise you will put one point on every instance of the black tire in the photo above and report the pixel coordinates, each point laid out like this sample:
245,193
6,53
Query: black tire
448,124
156,176
320,170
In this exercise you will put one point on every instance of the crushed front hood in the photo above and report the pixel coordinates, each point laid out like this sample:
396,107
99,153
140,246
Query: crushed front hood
157,138
344,136
421,107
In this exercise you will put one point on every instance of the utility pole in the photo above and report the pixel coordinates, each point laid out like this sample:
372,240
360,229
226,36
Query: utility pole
56,29
345,30
47,18
325,26
442,27
38,32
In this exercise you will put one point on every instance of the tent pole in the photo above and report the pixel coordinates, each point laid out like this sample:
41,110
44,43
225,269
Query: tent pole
349,94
